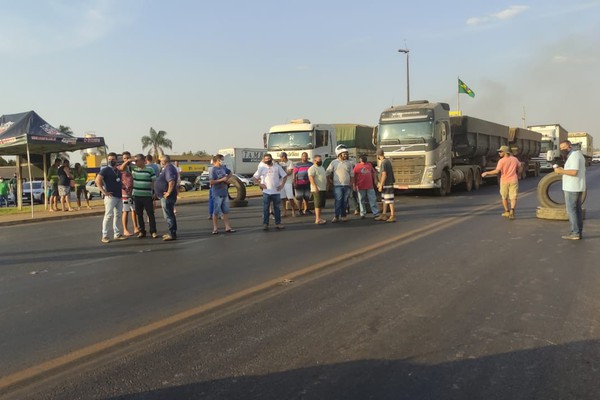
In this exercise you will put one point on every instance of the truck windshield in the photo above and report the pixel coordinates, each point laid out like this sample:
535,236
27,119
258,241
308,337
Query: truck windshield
547,145
290,140
395,133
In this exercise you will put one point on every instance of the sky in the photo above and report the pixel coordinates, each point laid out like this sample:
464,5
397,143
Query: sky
218,74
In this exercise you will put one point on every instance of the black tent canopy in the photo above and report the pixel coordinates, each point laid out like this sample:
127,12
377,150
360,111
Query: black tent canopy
27,133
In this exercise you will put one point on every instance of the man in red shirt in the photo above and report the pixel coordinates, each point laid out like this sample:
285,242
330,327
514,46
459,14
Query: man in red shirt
509,167
365,181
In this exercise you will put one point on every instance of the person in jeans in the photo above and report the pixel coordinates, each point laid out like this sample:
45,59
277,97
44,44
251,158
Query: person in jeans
143,183
271,179
219,175
108,182
340,173
165,188
573,185
302,184
318,187
365,182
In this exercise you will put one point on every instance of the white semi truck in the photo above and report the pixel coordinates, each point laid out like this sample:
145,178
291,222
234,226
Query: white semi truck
552,135
301,135
585,142
242,160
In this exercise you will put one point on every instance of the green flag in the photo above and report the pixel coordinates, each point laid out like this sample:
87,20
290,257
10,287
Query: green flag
462,88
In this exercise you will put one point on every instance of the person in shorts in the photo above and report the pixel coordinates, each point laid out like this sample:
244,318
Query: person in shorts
64,186
219,175
127,196
318,187
386,187
80,177
301,183
509,167
53,179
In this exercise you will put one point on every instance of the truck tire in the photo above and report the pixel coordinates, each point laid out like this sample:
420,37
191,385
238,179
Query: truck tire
557,214
543,190
476,179
444,188
469,181
238,203
236,189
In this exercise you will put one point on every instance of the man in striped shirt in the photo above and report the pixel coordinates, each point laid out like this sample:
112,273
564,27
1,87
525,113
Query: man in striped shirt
143,182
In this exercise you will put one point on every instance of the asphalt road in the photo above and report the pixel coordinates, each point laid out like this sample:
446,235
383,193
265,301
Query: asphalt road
451,302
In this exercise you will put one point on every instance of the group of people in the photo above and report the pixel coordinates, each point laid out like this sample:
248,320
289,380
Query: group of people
573,184
279,180
130,189
62,180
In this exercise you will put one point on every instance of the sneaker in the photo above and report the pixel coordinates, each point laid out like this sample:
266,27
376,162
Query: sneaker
141,235
120,237
265,227
344,219
279,227
381,217
155,235
334,220
168,238
391,219
511,215
506,214
362,217
572,236
105,240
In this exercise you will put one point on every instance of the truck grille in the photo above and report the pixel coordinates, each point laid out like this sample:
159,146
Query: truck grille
408,170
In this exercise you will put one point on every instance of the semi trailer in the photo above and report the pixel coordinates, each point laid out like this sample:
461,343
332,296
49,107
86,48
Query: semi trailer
552,135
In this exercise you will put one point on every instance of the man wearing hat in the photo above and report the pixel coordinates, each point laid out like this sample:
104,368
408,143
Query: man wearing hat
340,173
509,167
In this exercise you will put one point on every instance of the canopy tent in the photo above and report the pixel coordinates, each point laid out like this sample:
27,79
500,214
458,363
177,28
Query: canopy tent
27,133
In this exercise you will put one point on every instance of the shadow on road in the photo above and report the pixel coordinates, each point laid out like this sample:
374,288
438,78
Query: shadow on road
554,372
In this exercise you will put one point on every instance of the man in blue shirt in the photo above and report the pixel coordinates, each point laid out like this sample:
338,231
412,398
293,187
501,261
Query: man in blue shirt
573,185
109,183
219,175
165,188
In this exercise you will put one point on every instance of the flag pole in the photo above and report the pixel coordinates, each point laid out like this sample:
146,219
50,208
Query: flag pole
458,94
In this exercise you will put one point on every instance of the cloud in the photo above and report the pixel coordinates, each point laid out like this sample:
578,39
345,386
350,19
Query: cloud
508,13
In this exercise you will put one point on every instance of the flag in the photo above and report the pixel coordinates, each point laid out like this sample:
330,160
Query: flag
462,88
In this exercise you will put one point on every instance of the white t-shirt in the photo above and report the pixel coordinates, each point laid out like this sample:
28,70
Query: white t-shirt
318,174
288,167
270,177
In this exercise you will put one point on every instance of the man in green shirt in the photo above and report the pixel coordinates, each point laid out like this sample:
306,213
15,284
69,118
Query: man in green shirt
3,191
143,182
53,178
80,178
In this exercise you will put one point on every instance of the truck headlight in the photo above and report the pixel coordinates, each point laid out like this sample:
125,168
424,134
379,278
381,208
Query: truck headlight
429,174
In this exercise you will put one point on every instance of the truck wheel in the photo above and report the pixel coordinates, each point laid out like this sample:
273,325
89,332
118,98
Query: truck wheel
444,188
238,203
182,188
543,190
469,181
476,179
236,189
558,214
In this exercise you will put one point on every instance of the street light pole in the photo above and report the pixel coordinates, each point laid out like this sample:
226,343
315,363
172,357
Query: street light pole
406,51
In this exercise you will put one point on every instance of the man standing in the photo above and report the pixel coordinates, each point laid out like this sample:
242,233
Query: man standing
4,190
340,173
287,192
64,186
108,182
318,187
365,181
301,183
271,179
219,175
573,185
509,167
386,187
165,189
53,179
80,177
143,182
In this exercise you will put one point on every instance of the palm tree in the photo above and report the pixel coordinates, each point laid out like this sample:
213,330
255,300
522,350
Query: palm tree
157,141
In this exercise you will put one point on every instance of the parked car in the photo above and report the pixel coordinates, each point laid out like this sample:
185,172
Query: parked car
245,180
202,182
93,190
185,185
595,159
38,192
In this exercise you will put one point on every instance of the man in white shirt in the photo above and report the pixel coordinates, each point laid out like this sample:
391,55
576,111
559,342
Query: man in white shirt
573,185
271,178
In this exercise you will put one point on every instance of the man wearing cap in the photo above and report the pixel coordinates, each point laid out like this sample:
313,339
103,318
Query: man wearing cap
340,173
509,167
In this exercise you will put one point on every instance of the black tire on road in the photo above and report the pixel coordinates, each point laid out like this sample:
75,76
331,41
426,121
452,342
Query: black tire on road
469,181
236,189
543,190
444,189
182,188
238,203
476,179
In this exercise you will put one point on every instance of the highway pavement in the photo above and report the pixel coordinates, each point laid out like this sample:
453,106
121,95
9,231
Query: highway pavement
451,302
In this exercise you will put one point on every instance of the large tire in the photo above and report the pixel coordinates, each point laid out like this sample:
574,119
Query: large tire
557,214
476,179
238,203
469,181
543,190
444,188
182,188
236,189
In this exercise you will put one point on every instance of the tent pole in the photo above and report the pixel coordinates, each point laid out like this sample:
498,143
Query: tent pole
19,194
45,170
30,180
